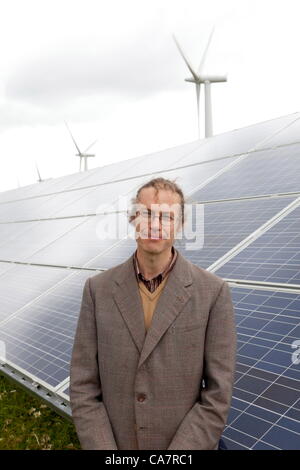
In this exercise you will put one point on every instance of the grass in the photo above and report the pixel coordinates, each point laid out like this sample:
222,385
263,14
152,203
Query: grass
27,423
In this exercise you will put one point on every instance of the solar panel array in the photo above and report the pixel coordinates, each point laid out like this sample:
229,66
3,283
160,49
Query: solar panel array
248,182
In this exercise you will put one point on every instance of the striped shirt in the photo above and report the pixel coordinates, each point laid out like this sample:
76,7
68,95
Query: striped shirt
153,283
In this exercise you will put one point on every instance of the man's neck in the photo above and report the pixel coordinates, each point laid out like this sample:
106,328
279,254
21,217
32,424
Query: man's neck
152,264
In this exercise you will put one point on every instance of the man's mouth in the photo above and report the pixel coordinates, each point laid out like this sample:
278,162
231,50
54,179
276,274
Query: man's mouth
148,235
152,237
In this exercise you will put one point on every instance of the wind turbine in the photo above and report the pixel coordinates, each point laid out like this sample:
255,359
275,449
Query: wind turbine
198,78
37,169
40,180
83,155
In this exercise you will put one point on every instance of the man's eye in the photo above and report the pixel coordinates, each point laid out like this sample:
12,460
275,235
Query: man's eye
145,213
167,216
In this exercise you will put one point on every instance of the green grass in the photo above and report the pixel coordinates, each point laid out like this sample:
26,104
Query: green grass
26,422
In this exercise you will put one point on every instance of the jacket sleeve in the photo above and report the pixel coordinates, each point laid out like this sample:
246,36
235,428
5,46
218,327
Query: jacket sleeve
88,411
203,425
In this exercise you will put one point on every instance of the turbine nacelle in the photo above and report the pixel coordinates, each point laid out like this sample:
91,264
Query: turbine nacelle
210,78
84,155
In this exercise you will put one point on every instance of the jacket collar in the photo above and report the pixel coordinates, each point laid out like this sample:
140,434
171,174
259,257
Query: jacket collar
171,301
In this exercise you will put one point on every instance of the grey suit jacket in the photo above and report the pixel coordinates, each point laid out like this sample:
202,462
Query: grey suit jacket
167,388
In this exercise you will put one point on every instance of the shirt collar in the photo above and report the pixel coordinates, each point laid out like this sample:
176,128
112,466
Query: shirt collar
163,274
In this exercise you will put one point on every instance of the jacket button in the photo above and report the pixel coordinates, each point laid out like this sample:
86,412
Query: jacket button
141,397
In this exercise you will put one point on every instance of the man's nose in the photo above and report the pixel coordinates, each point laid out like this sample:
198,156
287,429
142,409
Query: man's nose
155,222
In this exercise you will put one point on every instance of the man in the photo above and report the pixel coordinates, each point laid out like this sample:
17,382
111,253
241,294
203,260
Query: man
153,360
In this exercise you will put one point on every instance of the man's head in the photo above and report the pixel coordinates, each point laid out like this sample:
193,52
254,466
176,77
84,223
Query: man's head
157,214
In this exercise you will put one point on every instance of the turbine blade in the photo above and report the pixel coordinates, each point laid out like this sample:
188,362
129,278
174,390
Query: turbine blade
88,148
185,59
73,139
205,52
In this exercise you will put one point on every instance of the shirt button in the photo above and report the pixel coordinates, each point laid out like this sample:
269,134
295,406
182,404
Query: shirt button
141,397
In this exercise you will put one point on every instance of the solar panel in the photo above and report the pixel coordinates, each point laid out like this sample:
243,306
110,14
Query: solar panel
287,135
35,236
35,208
160,161
22,284
12,231
4,267
45,187
78,246
239,141
39,337
100,198
274,257
190,177
260,173
265,408
53,236
136,166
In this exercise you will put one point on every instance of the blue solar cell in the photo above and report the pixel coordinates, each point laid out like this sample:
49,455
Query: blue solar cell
283,438
267,384
39,338
266,172
29,282
273,257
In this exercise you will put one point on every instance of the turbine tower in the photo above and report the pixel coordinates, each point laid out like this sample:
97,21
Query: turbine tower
83,155
198,78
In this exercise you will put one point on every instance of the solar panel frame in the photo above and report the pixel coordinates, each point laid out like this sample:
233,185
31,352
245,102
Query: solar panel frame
32,338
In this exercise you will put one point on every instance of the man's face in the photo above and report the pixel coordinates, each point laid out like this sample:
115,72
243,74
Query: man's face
157,220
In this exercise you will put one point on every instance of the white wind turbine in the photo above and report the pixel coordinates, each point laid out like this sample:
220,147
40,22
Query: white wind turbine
198,78
40,180
83,155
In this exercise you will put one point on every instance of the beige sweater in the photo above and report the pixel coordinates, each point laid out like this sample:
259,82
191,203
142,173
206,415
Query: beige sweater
149,300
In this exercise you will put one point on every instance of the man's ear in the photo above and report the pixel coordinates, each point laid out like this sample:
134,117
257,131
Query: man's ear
131,216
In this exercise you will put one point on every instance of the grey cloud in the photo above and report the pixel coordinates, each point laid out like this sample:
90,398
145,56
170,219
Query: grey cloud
136,67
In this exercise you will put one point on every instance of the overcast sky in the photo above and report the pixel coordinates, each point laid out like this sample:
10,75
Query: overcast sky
112,70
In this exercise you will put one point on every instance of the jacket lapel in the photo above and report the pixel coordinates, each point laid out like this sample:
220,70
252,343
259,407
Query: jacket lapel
170,303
